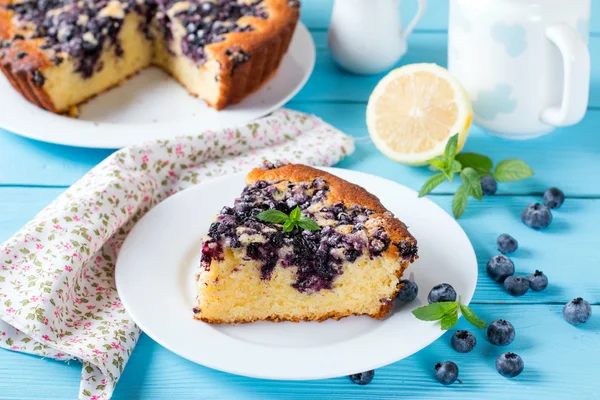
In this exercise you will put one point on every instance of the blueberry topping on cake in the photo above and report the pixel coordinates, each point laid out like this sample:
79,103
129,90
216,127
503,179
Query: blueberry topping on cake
83,47
345,255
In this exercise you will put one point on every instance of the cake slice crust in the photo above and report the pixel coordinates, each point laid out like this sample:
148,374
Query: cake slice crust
251,270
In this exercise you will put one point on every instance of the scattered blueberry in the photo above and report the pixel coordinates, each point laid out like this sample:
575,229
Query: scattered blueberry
446,372
489,185
536,216
507,244
463,341
442,292
500,267
516,285
554,198
538,281
363,378
577,311
501,332
408,292
509,365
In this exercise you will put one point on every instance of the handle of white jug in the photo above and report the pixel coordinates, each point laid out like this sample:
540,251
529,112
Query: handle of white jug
576,82
422,6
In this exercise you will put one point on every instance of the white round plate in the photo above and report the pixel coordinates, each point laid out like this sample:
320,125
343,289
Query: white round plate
152,105
155,279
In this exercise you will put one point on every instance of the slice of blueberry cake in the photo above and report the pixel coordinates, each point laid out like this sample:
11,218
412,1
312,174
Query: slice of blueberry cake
59,53
345,256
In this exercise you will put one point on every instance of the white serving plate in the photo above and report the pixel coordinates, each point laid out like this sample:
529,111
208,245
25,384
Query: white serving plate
155,279
152,105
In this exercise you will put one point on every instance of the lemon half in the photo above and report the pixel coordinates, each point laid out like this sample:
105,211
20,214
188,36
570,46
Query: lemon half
414,110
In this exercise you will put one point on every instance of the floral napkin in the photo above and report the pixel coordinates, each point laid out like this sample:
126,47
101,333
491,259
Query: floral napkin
57,289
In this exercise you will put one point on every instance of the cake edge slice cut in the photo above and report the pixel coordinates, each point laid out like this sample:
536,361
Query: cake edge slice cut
397,256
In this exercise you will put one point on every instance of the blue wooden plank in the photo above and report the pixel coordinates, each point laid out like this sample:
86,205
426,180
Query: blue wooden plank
316,14
560,360
562,159
329,83
569,244
29,162
23,161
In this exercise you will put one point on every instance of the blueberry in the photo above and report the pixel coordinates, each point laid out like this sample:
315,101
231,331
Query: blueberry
554,198
509,365
500,267
363,378
191,27
538,281
441,292
536,216
89,47
577,311
463,341
207,7
446,372
488,185
408,292
516,285
507,244
501,333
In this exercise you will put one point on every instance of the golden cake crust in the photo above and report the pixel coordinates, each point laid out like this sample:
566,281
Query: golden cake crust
265,45
340,191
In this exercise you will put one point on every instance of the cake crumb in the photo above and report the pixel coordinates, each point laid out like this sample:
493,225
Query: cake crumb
73,112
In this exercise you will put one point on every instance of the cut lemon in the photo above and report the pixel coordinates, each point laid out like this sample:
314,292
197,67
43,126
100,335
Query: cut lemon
414,110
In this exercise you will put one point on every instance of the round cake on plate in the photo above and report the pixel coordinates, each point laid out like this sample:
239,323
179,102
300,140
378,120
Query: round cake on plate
60,53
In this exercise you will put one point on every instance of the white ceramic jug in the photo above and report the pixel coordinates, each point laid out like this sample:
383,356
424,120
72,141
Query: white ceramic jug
366,36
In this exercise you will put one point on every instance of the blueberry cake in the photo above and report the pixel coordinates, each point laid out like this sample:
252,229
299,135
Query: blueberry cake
350,264
59,53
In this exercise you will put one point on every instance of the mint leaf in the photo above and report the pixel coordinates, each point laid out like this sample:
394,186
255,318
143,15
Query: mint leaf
460,200
273,216
434,311
296,214
472,181
295,219
308,224
288,226
437,164
456,167
480,163
431,184
450,151
449,319
512,170
472,317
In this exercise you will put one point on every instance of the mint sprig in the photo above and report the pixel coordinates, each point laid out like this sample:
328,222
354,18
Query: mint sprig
471,167
447,313
295,219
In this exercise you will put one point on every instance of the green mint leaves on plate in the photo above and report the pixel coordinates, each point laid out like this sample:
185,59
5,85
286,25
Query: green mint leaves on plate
471,167
295,219
447,314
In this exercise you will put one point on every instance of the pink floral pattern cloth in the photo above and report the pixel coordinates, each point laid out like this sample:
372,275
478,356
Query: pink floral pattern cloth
57,289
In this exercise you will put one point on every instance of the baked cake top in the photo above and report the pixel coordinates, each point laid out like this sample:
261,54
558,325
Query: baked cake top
37,33
353,223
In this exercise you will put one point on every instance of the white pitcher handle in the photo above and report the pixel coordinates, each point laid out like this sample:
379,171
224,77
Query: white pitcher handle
576,82
420,11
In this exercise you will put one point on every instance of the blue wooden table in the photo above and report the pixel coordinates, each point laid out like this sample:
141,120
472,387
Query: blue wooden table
561,361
